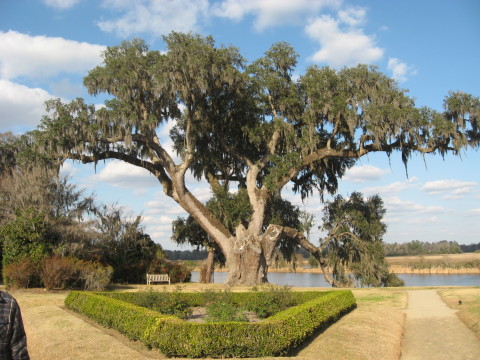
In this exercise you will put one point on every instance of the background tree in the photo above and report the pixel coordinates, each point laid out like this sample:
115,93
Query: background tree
43,213
124,245
255,127
352,252
416,247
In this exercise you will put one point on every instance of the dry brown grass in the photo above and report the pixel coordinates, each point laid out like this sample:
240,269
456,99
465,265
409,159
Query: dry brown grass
469,309
448,258
372,331
419,264
468,263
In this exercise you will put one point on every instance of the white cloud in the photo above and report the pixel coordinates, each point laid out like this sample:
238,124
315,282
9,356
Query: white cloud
21,106
395,205
272,12
364,173
122,174
391,188
450,189
67,169
155,17
164,206
353,16
392,219
424,220
61,4
474,212
342,42
203,194
22,55
400,70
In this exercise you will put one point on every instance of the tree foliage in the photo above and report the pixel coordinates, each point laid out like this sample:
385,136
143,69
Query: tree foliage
352,251
28,236
44,213
124,245
254,125
416,247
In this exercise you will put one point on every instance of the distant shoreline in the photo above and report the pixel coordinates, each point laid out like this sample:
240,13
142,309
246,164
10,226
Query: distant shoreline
394,269
465,263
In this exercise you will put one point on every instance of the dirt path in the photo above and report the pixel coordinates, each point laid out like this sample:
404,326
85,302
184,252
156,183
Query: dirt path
433,330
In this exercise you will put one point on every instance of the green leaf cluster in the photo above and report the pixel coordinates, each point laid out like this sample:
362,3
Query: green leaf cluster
29,235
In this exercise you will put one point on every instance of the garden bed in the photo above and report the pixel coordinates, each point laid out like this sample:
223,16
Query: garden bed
276,335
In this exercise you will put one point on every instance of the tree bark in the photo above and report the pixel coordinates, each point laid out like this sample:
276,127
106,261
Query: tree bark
209,266
251,256
315,251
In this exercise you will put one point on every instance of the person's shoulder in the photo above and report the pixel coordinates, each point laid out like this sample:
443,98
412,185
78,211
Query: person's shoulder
6,296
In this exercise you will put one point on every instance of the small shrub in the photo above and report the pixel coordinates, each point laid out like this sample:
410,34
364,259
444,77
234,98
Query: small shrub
393,280
57,272
269,300
224,311
21,274
220,306
94,276
175,304
168,303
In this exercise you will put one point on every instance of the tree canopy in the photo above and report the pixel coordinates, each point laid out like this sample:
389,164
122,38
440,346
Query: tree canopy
353,250
253,126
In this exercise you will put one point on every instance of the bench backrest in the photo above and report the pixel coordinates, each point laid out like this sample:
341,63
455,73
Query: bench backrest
158,277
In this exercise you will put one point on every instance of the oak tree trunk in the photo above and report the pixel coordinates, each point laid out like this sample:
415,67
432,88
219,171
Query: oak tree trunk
209,267
250,257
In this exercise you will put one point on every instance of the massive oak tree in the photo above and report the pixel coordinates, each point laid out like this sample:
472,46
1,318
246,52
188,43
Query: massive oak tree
254,126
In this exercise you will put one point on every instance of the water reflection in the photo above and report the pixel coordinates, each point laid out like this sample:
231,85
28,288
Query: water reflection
317,280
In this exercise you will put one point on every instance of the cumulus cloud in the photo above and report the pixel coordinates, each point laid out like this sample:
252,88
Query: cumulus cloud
67,169
26,56
424,220
364,173
203,194
124,175
395,205
342,41
474,212
61,4
353,16
400,70
21,106
449,189
155,17
271,13
392,188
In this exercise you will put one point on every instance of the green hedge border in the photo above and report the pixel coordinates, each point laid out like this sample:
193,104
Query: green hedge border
277,335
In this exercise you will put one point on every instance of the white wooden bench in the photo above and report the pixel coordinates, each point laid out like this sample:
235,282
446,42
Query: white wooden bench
151,278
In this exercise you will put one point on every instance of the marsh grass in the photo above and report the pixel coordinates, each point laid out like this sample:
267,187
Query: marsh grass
372,331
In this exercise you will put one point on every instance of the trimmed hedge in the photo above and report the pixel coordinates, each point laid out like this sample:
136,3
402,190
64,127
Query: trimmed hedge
274,336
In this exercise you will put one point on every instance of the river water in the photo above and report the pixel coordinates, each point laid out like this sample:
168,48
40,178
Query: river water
317,280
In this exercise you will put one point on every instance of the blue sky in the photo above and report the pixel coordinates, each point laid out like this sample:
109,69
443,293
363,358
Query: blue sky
429,47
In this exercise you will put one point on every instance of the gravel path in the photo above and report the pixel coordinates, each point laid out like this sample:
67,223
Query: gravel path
433,330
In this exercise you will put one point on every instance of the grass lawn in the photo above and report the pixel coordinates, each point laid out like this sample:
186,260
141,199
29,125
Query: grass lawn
372,331
469,309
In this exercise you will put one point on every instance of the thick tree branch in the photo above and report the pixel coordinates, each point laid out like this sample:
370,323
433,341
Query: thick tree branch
315,251
157,171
